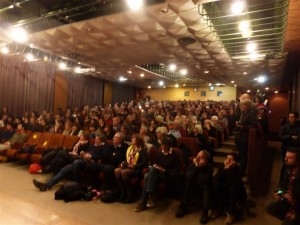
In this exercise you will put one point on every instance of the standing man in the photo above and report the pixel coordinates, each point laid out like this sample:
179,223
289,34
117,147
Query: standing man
246,121
286,207
289,136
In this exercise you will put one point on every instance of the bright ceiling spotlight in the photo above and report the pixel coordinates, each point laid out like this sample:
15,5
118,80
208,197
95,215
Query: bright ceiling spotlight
173,67
248,91
237,8
142,75
77,69
176,85
206,71
183,72
251,47
232,82
122,79
244,25
161,83
183,85
267,88
149,87
4,50
62,65
253,56
247,33
245,73
19,35
29,57
261,79
135,4
275,92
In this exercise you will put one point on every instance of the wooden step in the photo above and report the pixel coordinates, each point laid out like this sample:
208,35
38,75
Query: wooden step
222,151
218,160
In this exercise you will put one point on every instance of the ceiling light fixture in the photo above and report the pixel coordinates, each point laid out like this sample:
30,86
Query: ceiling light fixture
232,81
176,85
29,57
267,88
261,79
275,92
206,71
253,56
19,35
4,50
251,47
172,67
183,72
149,87
244,25
122,79
237,8
142,75
161,83
248,91
135,4
62,65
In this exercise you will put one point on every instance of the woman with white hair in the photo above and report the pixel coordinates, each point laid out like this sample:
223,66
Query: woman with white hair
160,133
198,133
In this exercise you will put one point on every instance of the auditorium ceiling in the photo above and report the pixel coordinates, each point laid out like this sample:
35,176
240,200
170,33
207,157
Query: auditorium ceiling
203,38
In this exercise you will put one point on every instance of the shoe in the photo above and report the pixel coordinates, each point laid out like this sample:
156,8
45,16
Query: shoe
229,219
214,214
150,203
204,217
140,207
39,185
181,211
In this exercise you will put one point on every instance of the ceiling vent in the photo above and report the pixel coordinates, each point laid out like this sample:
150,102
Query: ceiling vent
186,41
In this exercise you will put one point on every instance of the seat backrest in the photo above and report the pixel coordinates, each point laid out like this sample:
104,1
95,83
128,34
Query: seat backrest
180,158
57,140
34,138
43,142
70,141
190,142
152,151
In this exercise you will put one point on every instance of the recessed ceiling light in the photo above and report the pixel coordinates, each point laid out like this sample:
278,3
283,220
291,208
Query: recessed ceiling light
149,87
244,25
164,86
183,85
251,47
206,71
129,71
237,8
248,91
29,56
245,73
123,79
19,35
135,4
176,85
142,75
4,50
261,79
235,85
275,92
161,83
172,67
183,72
232,81
267,88
62,65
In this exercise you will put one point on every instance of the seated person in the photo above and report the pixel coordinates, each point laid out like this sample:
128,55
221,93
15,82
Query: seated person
229,189
19,137
136,160
93,153
198,175
165,168
286,207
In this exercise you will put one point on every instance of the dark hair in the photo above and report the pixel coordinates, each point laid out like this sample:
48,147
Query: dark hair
234,156
101,136
166,141
139,140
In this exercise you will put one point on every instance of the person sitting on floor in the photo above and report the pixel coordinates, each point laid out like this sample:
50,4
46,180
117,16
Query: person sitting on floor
229,189
200,175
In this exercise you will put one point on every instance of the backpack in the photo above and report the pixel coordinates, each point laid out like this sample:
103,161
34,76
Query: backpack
71,191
